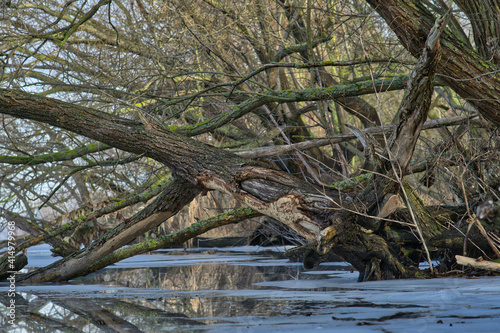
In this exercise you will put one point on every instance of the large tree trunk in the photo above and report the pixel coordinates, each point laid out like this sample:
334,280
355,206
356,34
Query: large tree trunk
473,74
332,219
197,163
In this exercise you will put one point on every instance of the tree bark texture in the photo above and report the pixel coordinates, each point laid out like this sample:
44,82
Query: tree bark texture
472,73
484,17
197,163
349,233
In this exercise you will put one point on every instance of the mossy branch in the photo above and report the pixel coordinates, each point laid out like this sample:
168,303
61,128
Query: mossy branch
299,95
176,238
67,155
111,207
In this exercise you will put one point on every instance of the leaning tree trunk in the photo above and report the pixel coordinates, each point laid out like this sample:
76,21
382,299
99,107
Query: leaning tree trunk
358,239
329,218
473,74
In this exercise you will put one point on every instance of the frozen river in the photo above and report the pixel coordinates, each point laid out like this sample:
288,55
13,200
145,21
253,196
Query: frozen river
247,289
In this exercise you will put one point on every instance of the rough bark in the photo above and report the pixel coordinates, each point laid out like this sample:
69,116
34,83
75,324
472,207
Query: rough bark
484,17
195,162
472,75
180,154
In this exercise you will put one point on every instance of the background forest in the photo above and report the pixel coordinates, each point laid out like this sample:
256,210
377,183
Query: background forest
312,89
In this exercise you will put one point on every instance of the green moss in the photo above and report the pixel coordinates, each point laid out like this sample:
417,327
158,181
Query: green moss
352,182
485,65
423,275
53,157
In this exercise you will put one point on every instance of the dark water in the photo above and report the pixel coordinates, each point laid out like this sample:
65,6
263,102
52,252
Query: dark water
247,290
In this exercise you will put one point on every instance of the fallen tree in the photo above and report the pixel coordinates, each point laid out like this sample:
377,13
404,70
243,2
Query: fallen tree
331,219
355,225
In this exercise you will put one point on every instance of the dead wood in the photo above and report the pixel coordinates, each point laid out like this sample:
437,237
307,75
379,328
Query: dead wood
350,235
345,224
478,263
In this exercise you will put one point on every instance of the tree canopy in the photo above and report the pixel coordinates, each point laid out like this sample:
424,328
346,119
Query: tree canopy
368,128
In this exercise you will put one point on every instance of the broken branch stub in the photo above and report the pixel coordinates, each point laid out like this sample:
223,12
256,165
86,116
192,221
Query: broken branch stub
277,195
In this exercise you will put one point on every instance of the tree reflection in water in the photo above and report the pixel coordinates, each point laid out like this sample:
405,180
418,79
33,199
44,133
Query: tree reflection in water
178,295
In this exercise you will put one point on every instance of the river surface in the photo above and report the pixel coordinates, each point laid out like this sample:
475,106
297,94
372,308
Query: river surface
246,289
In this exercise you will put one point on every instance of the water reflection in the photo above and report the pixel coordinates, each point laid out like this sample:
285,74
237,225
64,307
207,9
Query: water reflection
196,277
48,314
174,294
258,292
